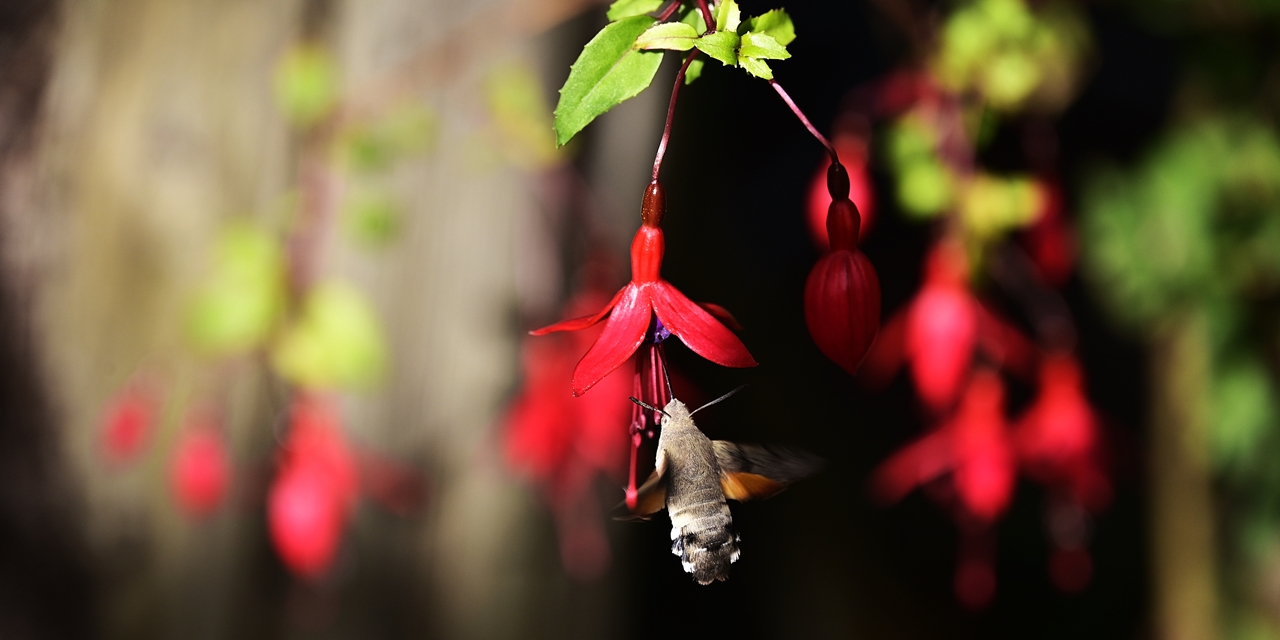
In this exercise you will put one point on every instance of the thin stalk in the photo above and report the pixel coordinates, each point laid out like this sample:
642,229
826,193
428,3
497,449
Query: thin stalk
805,121
669,11
706,15
671,110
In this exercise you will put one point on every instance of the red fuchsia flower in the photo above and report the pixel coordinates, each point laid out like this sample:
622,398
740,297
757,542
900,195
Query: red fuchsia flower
562,443
1058,435
629,315
842,293
314,489
127,422
852,150
973,445
200,471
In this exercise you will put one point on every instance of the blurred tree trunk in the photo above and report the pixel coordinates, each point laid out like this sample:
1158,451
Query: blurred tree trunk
1182,521
161,129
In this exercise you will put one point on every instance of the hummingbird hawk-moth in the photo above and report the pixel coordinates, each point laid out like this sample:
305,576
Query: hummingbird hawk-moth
693,476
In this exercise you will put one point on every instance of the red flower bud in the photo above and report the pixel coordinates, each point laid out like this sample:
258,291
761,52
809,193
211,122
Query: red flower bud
200,471
856,187
842,294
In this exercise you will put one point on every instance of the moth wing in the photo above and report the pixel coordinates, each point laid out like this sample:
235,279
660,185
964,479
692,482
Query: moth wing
651,497
749,471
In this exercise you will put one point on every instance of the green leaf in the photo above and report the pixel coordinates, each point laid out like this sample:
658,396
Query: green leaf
628,8
728,17
239,306
607,72
693,18
721,45
337,341
676,36
756,67
694,71
763,46
776,24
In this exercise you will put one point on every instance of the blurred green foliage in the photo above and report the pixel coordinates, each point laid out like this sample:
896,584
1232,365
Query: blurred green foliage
336,341
306,84
1006,52
242,301
1196,227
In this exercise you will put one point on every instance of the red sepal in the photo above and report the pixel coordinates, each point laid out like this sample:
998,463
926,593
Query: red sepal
623,332
697,329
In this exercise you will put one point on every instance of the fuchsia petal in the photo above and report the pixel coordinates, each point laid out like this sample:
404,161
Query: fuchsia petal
576,324
722,314
623,332
697,329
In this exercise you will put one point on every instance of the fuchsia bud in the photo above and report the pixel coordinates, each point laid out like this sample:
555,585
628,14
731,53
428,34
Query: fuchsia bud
853,150
200,471
842,294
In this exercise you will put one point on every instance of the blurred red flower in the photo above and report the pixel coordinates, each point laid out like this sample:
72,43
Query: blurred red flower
973,445
126,423
1058,435
314,489
200,471
562,443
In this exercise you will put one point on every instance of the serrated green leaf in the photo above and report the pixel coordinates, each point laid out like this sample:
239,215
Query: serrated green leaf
239,306
337,341
607,72
693,18
728,16
628,8
763,46
694,71
777,24
721,45
675,36
756,67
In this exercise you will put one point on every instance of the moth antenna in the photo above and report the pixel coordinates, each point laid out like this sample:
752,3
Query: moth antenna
649,406
720,399
671,393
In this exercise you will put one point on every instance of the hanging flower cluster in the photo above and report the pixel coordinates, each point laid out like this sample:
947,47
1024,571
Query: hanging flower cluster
960,354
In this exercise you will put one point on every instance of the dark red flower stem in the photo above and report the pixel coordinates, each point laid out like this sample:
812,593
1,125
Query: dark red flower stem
706,15
669,11
671,111
835,159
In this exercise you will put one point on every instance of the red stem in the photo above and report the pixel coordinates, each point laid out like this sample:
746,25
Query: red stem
805,121
669,11
706,15
671,110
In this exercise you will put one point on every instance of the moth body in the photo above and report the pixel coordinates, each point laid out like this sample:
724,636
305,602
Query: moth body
701,525
693,478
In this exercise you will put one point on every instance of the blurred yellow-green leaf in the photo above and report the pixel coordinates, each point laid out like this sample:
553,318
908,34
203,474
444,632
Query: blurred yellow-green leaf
925,188
519,111
370,217
336,341
405,131
306,84
238,307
